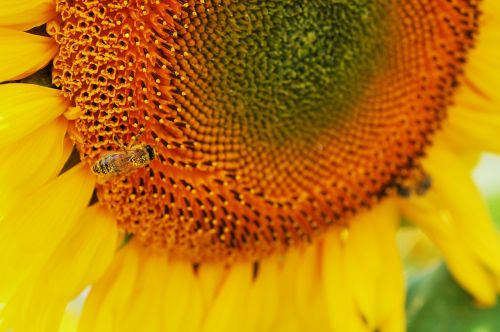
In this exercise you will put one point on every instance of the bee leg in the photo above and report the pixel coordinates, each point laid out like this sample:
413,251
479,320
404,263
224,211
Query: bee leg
135,139
119,143
105,178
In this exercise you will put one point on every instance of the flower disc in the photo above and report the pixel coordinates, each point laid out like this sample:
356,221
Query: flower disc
271,120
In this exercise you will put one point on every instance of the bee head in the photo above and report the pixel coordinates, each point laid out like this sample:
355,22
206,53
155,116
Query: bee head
151,151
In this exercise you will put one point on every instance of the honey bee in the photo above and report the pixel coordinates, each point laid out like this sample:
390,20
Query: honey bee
130,158
419,183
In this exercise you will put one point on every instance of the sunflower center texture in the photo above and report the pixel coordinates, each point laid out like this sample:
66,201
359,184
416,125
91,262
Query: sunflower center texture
271,121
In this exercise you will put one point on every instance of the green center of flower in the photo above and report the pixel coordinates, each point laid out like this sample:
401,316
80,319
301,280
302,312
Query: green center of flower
285,71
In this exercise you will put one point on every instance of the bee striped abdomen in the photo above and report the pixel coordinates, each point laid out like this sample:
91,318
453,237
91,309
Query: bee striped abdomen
104,166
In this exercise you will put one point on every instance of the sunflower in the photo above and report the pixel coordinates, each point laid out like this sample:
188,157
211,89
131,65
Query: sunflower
290,138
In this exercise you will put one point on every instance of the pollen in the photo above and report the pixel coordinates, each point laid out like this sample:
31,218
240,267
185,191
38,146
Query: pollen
271,122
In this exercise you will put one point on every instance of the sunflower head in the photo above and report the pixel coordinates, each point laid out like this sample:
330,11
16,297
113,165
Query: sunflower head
271,122
228,133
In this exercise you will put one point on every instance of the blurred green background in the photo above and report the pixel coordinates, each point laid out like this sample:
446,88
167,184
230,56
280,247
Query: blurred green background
434,301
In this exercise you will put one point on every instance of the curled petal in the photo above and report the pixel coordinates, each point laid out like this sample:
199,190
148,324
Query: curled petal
53,211
22,54
80,259
26,107
24,15
31,162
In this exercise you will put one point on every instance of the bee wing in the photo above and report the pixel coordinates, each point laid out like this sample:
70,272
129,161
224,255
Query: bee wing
120,160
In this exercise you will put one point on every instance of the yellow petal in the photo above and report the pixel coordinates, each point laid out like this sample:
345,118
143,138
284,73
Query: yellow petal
180,285
143,311
263,296
39,223
25,14
79,260
210,278
308,291
69,322
287,319
26,107
455,188
473,130
86,252
192,322
342,311
397,321
22,54
434,219
111,294
233,293
31,162
483,65
417,250
364,262
390,312
373,266
474,121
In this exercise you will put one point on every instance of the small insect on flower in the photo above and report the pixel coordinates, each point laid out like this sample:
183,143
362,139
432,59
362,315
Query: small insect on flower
419,183
129,158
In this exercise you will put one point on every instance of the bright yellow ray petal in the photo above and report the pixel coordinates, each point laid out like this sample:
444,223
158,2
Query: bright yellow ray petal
31,162
79,260
363,263
238,316
25,14
143,311
26,107
22,54
211,277
287,320
192,322
483,66
342,311
391,313
396,322
40,222
455,187
92,247
474,122
69,322
263,296
180,283
232,293
417,250
111,294
373,266
434,219
473,130
308,292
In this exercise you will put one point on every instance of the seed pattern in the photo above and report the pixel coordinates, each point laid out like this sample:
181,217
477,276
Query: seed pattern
272,121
